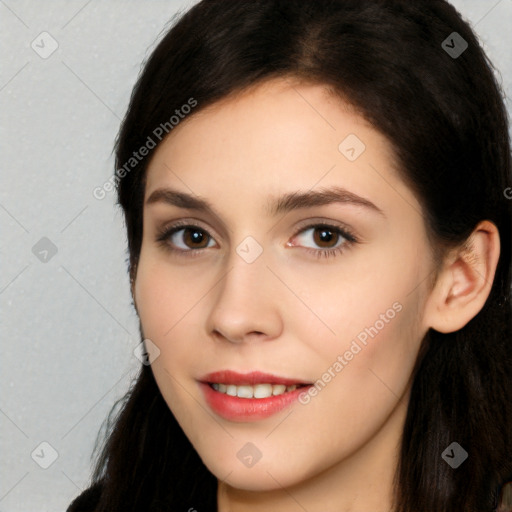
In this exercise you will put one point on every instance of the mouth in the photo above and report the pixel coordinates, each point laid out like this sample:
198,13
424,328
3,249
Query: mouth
252,396
263,390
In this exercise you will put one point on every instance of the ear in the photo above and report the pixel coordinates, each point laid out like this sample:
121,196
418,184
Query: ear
465,280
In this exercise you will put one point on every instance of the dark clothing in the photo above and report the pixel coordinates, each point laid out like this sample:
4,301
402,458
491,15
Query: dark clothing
87,501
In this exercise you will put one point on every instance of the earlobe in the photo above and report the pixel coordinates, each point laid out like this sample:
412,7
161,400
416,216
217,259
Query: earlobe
465,282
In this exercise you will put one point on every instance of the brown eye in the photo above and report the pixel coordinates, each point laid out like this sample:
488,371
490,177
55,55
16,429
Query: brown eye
195,238
325,237
186,238
324,240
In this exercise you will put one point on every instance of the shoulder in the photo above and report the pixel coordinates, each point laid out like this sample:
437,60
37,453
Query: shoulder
87,501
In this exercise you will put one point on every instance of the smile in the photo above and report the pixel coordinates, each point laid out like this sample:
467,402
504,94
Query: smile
249,397
257,391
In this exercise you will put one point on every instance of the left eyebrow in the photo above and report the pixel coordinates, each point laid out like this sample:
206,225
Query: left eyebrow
282,204
311,198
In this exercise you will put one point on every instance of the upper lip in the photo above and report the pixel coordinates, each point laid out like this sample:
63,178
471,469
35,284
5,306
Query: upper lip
248,379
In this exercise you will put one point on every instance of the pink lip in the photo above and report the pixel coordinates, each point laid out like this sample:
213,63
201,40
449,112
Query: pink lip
248,379
238,409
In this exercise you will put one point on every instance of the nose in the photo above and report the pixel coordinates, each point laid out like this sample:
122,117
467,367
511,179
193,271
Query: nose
246,303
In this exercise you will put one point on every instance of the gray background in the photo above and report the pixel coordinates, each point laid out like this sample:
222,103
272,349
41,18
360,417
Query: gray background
67,324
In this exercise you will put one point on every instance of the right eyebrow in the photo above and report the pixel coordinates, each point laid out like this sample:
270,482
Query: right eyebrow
181,200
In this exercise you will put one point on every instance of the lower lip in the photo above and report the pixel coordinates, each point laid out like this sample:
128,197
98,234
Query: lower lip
234,408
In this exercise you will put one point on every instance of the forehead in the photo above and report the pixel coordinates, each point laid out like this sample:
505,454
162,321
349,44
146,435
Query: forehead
274,137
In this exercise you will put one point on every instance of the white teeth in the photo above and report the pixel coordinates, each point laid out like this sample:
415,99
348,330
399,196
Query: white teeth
244,391
257,391
278,389
231,390
263,390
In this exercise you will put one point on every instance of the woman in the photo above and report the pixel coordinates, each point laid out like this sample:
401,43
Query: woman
319,238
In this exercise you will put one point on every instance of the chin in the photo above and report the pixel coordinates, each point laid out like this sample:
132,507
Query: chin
256,481
269,475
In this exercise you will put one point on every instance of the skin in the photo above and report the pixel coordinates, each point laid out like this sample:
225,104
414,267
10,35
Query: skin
288,312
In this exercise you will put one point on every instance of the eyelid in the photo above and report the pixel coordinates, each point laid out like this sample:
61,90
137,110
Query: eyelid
347,231
173,226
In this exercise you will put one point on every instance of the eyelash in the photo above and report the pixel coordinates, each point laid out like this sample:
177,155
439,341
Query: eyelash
349,239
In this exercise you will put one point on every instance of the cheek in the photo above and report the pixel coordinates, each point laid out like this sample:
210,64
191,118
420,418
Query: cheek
377,310
359,387
169,304
164,295
367,356
163,305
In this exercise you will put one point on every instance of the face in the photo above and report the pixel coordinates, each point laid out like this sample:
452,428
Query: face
278,238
